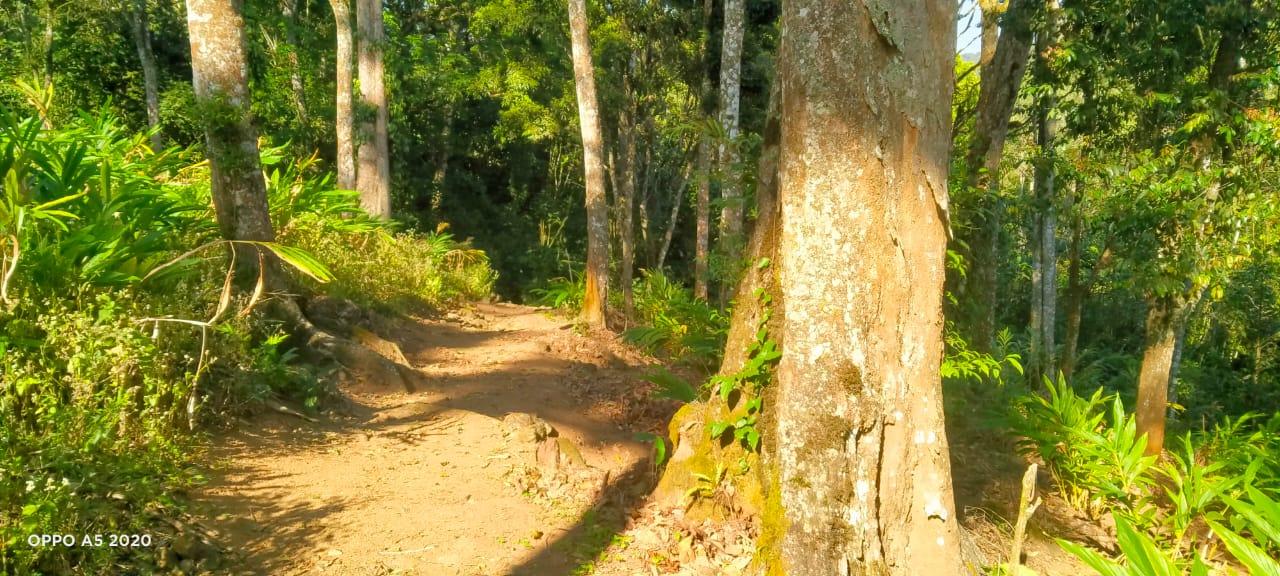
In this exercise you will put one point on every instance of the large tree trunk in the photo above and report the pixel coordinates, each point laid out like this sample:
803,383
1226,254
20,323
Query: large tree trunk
373,174
344,120
597,272
997,93
730,91
220,78
862,458
150,74
298,91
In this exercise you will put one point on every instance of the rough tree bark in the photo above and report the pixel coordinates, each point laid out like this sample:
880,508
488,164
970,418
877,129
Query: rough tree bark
997,92
344,120
1164,317
862,459
373,174
150,73
730,91
597,272
219,76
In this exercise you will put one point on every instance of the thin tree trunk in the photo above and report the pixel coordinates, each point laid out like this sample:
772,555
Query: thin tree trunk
50,19
1179,343
344,121
220,78
703,214
625,189
1035,321
150,75
676,200
863,464
298,94
1256,376
373,175
730,90
442,165
644,204
702,210
997,92
597,272
1076,291
1046,213
1164,318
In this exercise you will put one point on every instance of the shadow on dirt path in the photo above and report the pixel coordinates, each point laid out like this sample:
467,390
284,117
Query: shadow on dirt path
425,482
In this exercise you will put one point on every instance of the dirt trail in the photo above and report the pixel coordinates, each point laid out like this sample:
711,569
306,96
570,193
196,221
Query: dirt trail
419,482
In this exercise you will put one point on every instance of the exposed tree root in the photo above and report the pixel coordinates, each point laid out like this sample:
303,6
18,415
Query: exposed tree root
353,356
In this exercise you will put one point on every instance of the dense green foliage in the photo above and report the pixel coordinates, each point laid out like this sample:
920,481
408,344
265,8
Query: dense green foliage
103,367
1164,166
1222,482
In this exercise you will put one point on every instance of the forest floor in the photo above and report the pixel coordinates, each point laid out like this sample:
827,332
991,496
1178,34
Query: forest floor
455,477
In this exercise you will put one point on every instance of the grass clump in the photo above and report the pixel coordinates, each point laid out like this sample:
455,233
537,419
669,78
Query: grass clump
399,271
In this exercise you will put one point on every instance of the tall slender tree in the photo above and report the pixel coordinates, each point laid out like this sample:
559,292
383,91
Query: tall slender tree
597,272
150,72
344,120
862,458
219,76
1001,81
730,96
1044,280
702,204
298,93
625,188
373,171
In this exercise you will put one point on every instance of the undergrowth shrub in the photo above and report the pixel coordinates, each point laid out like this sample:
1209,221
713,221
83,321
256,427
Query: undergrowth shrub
107,367
399,271
1209,505
565,294
670,319
667,317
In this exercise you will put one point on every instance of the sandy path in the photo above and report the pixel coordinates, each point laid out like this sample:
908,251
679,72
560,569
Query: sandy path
417,483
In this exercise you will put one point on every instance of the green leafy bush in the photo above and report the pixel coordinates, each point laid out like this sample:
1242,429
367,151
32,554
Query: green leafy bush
104,372
1221,481
397,271
1094,463
670,319
565,294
